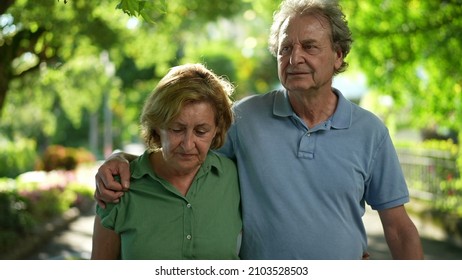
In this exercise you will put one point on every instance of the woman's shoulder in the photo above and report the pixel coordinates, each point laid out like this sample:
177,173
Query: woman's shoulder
221,162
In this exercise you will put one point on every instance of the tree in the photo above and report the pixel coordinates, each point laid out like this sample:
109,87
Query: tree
409,50
47,35
50,64
53,31
405,48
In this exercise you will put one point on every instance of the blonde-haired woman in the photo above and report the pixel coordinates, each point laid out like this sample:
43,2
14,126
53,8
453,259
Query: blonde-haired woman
184,200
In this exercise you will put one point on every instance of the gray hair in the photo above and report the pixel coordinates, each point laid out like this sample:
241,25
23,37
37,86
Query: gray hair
329,9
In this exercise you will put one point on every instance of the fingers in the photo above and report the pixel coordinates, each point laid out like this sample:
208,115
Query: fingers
108,189
101,200
98,200
105,179
104,194
124,172
116,166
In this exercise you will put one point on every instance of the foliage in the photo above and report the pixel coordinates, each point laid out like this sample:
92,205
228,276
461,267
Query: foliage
440,176
17,156
429,163
84,195
408,53
58,157
141,8
447,146
53,61
246,61
451,197
152,10
52,68
49,203
65,63
28,203
14,216
447,207
15,220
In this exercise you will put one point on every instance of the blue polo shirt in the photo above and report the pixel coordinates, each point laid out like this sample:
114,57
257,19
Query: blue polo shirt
303,190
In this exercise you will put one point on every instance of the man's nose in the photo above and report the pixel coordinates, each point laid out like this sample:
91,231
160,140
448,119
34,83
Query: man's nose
296,56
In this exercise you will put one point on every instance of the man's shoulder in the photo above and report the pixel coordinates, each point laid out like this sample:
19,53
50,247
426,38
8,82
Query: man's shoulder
368,124
367,116
258,98
255,104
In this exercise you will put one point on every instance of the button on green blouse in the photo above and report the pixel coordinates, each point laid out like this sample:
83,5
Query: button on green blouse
155,221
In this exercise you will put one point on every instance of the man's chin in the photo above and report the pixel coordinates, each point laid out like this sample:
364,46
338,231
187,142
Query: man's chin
299,88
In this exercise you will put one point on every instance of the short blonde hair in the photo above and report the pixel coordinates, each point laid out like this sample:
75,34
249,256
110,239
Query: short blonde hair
185,84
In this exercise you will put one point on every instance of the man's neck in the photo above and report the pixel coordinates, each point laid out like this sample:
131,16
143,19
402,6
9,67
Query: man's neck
314,107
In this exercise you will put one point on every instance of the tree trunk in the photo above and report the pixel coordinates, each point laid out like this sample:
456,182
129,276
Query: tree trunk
5,60
5,74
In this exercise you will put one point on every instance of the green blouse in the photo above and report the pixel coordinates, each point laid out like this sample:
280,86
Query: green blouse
155,221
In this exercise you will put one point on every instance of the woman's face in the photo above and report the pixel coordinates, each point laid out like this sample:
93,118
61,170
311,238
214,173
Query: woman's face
186,141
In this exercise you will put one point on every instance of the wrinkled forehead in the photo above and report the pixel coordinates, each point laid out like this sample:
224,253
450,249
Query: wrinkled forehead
307,18
305,26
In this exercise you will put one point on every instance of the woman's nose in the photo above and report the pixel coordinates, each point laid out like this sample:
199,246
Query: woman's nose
188,141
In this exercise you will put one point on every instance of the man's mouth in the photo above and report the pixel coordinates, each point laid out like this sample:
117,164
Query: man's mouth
298,72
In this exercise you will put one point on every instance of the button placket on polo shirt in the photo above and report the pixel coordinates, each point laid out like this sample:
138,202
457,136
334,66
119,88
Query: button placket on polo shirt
188,210
307,144
188,229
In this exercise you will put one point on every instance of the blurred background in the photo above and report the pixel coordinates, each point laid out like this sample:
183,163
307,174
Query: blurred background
74,75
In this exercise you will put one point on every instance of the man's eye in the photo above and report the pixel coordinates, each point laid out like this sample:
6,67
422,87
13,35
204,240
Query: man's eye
284,50
312,49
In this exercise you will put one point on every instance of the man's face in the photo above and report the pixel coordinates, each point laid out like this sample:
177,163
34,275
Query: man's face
306,57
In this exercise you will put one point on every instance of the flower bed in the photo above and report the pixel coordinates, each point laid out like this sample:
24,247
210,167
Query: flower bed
37,203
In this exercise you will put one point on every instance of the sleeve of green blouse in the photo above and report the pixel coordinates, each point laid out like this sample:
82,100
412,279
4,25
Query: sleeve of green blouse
108,215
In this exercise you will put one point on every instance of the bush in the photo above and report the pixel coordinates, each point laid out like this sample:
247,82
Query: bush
450,198
46,204
14,213
445,184
58,157
15,219
84,196
17,156
35,198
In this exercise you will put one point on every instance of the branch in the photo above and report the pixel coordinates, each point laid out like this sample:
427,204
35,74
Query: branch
4,5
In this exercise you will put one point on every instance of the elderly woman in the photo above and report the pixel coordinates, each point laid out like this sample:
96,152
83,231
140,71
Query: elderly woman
184,200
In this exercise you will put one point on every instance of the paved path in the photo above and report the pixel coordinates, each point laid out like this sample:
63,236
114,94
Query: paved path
75,243
434,240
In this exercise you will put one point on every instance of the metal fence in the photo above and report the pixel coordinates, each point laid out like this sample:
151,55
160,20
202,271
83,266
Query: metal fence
425,169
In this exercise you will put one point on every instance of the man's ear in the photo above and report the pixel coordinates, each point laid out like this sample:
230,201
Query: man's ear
338,57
